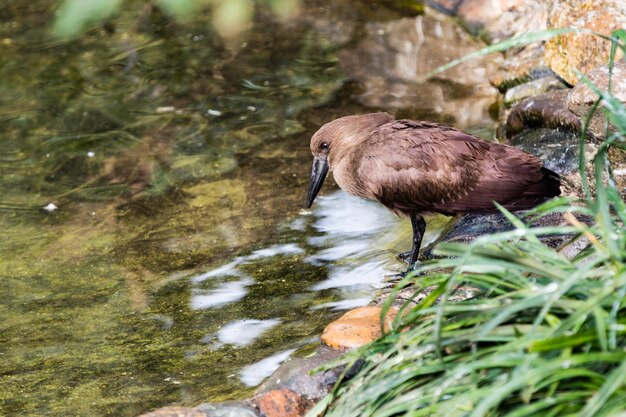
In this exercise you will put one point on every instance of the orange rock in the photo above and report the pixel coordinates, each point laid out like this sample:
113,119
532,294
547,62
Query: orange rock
582,51
282,403
174,412
356,328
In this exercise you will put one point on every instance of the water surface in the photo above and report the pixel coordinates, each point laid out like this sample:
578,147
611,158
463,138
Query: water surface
154,249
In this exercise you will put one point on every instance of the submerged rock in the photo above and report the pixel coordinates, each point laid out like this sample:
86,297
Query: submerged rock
582,51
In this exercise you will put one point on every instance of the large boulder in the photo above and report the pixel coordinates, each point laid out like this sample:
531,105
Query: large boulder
582,51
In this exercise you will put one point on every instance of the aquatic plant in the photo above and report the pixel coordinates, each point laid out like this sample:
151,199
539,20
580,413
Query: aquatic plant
545,334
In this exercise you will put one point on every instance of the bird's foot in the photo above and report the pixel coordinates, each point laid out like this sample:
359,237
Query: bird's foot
404,256
412,268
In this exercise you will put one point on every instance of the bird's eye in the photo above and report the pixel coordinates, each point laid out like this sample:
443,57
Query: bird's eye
324,146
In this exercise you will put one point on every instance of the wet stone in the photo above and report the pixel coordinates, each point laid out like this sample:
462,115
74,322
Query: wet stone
356,328
581,98
558,149
532,88
226,409
545,110
282,403
295,374
473,226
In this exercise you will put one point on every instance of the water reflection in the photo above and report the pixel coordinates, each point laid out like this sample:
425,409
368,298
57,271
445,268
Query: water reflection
253,375
354,245
330,259
241,332
225,293
231,291
344,304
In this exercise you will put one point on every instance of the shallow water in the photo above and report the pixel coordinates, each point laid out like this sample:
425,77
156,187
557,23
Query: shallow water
154,247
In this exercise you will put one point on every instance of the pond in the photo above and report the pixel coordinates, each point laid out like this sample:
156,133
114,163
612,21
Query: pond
155,249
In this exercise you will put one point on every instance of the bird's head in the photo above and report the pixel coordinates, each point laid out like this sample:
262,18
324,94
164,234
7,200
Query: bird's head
334,140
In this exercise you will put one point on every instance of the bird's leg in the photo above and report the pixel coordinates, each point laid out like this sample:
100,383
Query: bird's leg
419,226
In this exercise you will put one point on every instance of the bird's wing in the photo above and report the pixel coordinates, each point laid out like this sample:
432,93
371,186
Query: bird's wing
417,166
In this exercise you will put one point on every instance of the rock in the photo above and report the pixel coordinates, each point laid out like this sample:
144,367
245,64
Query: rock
533,88
392,54
227,409
295,374
582,51
557,148
520,66
545,110
581,98
498,20
356,328
282,403
473,226
175,412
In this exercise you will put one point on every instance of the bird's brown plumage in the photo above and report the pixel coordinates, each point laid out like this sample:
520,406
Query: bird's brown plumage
414,167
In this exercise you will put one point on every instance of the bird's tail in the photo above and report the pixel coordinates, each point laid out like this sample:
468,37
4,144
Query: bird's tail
549,186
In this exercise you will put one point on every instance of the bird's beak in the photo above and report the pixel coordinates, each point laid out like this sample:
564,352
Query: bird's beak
318,173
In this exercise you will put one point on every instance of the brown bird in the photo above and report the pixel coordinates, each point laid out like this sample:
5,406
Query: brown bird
415,167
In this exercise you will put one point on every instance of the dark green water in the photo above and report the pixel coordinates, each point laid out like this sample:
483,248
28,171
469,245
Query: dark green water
154,247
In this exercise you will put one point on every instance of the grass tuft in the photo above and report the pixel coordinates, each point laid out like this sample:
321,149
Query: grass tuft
545,335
